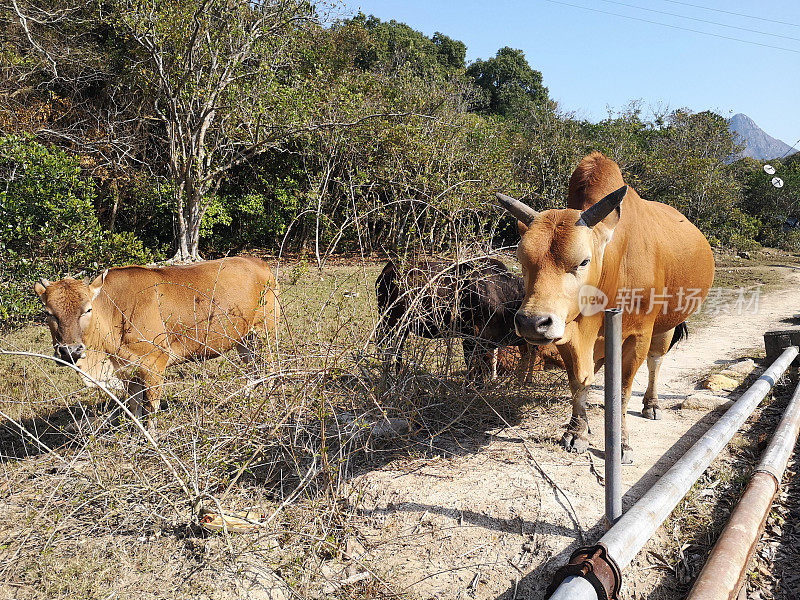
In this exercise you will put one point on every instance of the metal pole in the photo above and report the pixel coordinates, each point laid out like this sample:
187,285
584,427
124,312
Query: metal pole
613,414
630,534
624,540
724,572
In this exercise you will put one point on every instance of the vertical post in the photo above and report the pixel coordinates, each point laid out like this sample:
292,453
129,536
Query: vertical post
613,414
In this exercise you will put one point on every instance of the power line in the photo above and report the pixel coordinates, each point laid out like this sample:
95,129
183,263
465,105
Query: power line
680,16
728,12
793,147
717,35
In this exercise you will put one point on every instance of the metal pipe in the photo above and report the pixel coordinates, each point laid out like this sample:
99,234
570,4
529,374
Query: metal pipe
624,540
630,534
574,588
724,573
613,414
776,456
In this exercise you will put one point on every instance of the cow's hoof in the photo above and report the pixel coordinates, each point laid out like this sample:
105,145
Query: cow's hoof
652,412
574,442
627,455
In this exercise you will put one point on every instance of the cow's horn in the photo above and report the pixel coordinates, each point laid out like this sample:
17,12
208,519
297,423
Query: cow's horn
601,209
45,282
523,212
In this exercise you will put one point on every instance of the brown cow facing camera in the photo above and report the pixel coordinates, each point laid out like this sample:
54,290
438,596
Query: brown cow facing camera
141,320
644,257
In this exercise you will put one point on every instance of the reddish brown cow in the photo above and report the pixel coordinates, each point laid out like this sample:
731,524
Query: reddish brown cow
144,319
524,361
643,255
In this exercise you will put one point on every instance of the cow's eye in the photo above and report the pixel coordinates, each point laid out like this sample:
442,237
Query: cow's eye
87,311
585,262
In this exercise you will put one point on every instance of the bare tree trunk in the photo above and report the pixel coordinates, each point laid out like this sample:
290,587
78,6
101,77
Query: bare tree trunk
115,194
190,215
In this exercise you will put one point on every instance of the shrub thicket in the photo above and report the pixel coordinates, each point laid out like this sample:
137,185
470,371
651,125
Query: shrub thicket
49,225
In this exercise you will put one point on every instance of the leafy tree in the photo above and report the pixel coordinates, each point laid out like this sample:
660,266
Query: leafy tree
65,78
625,137
688,166
508,82
546,147
770,204
218,74
391,47
240,124
49,227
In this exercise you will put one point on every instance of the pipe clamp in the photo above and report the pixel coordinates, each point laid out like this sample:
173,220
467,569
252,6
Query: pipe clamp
594,564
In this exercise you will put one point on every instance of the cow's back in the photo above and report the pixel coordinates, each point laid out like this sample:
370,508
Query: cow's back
655,252
658,264
197,310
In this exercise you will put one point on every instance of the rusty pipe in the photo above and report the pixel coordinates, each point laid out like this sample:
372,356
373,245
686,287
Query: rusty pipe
724,573
631,532
624,540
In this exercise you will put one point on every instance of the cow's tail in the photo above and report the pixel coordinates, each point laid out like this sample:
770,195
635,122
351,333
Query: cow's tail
681,333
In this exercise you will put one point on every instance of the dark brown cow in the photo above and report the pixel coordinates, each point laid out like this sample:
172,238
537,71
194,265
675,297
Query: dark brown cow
475,300
144,319
643,255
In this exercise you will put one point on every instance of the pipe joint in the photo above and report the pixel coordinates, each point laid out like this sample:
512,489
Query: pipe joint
594,564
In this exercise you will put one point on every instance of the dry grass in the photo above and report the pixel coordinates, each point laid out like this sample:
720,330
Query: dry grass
99,512
96,510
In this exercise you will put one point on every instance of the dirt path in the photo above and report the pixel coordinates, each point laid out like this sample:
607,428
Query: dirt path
479,520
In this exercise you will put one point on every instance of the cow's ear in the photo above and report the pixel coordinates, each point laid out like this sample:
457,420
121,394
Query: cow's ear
40,287
613,218
522,228
606,210
97,284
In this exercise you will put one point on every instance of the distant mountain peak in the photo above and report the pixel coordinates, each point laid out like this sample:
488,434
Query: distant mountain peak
758,144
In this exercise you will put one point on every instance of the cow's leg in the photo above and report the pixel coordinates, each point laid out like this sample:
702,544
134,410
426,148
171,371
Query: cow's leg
527,362
481,360
136,399
471,358
634,352
580,373
651,409
398,357
152,378
246,349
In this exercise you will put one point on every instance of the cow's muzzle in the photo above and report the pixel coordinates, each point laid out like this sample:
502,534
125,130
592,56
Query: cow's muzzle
70,353
542,328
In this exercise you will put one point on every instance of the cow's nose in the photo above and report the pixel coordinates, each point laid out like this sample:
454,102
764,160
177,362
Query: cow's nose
62,352
70,353
533,325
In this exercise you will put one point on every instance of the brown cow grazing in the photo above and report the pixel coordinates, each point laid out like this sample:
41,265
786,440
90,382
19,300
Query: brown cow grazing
526,360
645,257
144,319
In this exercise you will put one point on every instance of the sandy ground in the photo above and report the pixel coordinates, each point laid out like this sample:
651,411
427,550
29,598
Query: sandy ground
479,520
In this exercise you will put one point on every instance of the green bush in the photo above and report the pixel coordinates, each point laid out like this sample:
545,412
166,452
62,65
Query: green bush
48,225
254,209
146,206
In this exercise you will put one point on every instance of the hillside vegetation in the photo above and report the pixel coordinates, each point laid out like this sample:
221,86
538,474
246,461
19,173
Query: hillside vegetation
130,133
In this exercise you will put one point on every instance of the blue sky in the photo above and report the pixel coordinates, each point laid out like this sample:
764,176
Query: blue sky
592,60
